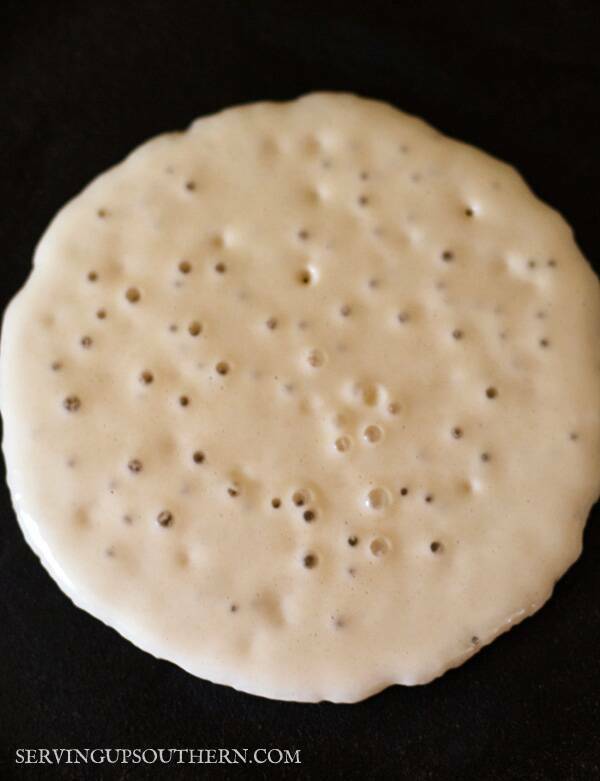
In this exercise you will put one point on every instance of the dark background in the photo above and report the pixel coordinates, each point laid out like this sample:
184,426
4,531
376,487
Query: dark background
82,84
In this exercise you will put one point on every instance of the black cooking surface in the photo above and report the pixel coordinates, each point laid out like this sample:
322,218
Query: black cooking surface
85,82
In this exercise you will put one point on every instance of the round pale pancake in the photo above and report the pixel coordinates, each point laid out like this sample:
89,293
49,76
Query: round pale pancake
305,399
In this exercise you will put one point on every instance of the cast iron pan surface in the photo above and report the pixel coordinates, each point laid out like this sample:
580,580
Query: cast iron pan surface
83,83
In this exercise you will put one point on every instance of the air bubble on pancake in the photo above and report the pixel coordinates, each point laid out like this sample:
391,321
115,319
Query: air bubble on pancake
101,314
457,432
310,560
146,377
343,444
184,266
184,401
72,403
367,392
276,502
271,323
379,547
195,328
134,465
306,276
373,434
199,456
165,518
220,267
309,515
436,547
316,358
56,366
222,368
86,342
132,294
491,392
300,497
377,499
352,540
92,276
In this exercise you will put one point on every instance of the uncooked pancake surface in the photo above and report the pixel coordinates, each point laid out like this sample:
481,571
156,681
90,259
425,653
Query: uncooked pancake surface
305,399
